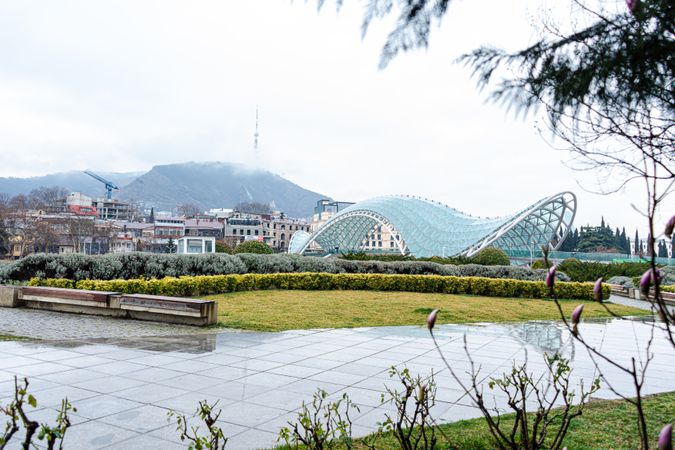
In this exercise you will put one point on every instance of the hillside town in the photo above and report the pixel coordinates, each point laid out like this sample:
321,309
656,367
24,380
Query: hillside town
51,221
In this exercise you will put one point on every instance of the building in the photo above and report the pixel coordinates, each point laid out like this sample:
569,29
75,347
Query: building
196,245
279,229
424,228
111,209
242,227
324,210
205,227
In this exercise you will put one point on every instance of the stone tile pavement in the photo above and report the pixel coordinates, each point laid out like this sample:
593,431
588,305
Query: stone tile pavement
123,387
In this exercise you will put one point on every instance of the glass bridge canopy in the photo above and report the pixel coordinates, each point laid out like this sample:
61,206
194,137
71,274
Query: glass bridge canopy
424,228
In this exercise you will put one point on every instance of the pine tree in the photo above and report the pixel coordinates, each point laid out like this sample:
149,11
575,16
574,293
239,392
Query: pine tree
663,250
637,241
602,222
625,243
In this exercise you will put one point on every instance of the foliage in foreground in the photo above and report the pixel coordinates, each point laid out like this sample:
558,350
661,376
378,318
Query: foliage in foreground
218,284
604,424
18,421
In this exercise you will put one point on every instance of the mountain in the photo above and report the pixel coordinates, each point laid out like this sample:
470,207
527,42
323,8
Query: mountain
218,185
76,181
207,185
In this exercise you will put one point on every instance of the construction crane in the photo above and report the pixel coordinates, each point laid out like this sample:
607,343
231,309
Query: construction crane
109,185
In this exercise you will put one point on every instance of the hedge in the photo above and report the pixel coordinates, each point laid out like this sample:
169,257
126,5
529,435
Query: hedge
591,271
219,284
147,265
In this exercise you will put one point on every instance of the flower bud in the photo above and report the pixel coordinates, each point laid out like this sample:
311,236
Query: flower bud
431,320
666,438
670,225
645,282
576,315
632,4
550,277
597,290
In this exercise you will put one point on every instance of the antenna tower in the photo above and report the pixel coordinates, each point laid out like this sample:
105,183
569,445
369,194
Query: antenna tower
256,134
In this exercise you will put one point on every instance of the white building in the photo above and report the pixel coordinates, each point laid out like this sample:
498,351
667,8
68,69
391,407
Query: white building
196,245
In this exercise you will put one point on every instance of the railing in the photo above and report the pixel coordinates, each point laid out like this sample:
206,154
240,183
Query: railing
582,256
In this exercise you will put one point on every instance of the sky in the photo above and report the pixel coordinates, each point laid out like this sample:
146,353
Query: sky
125,85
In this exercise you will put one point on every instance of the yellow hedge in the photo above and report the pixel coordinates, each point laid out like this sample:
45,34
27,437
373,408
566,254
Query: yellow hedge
219,284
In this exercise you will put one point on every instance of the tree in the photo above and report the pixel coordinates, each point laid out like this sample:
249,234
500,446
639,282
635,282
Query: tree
188,209
253,208
171,246
607,90
79,229
663,249
45,197
253,247
638,246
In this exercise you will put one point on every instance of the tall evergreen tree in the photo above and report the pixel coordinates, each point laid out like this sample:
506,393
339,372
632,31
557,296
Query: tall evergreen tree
637,241
625,243
663,250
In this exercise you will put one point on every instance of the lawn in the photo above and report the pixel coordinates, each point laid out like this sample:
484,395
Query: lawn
278,310
604,424
10,337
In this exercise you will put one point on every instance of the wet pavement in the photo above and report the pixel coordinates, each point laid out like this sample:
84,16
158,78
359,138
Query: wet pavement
123,387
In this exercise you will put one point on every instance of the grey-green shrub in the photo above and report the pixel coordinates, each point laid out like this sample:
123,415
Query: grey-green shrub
622,281
150,265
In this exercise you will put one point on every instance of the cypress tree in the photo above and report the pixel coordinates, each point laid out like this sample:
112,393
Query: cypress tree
625,243
663,250
637,241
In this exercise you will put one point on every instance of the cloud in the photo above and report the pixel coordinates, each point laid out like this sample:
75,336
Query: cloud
125,85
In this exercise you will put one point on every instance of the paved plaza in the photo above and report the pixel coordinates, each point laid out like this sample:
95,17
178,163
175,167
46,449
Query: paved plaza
123,387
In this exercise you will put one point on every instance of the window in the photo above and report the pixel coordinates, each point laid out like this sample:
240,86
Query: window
391,244
248,232
256,232
234,231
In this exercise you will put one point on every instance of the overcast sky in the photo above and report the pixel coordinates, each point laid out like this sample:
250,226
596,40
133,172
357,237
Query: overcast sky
125,85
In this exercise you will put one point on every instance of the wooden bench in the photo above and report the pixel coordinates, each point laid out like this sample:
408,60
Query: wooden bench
183,310
75,297
137,306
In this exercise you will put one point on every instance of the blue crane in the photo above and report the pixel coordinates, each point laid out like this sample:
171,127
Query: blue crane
109,185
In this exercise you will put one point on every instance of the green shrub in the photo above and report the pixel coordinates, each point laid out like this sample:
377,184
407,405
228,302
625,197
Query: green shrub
256,247
52,282
491,256
222,247
591,271
218,284
539,264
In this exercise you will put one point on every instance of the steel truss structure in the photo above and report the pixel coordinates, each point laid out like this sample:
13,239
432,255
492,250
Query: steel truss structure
424,228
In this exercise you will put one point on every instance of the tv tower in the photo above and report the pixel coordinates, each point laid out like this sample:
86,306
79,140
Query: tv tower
256,134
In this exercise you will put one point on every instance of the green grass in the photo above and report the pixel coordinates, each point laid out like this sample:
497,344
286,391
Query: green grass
11,337
278,310
606,424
